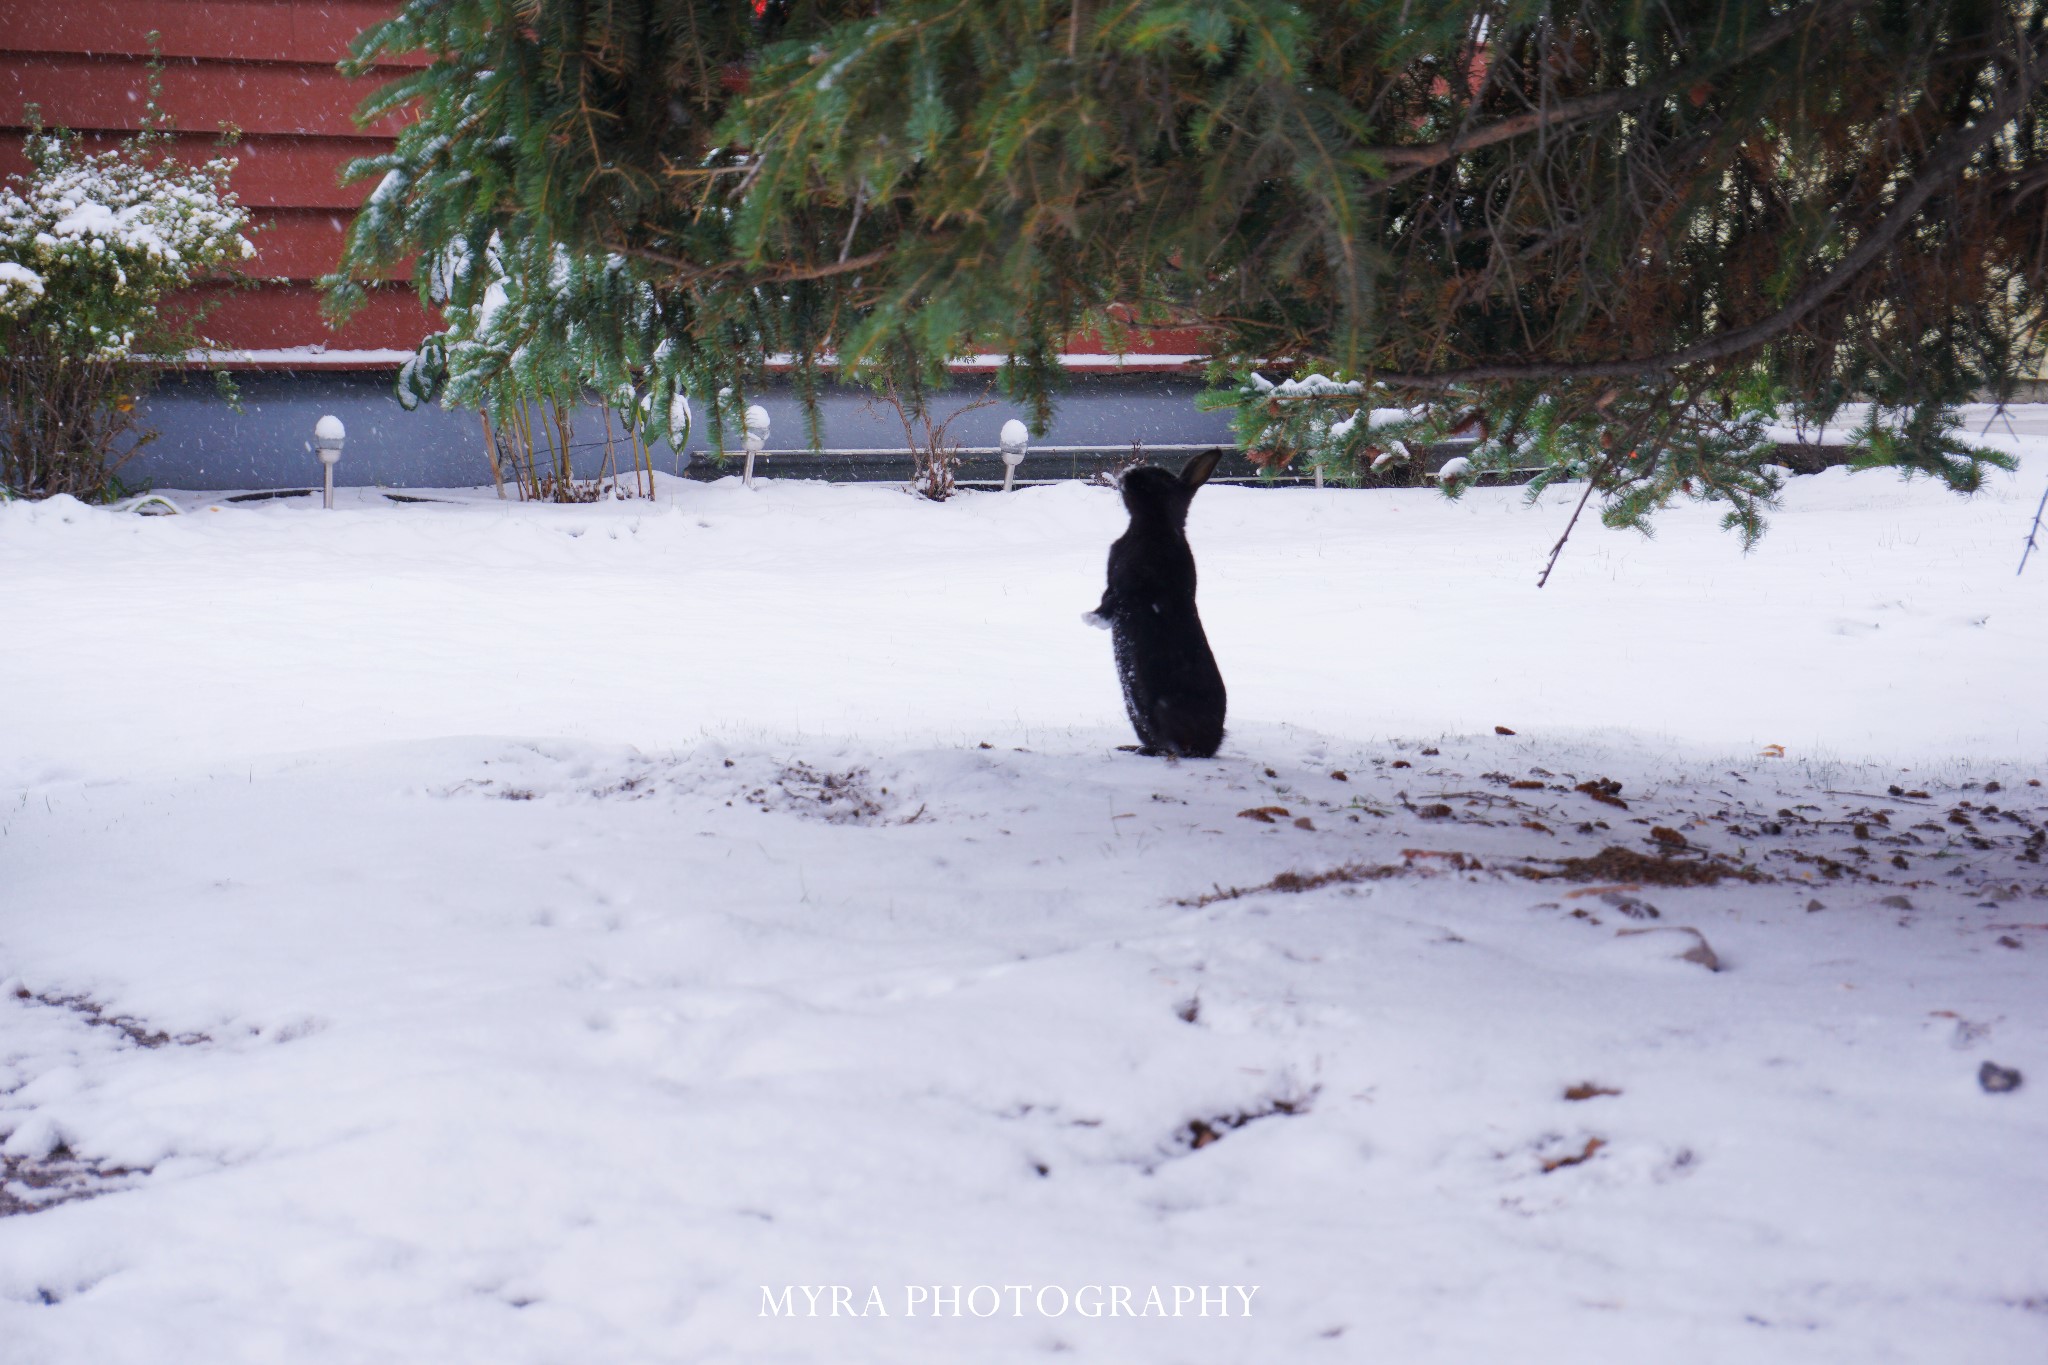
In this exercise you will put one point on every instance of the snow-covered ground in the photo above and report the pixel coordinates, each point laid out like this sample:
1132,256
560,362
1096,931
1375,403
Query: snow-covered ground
464,931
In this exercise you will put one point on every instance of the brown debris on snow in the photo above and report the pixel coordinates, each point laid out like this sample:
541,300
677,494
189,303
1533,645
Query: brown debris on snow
1605,790
1617,864
1578,1158
29,1185
1294,883
1587,1090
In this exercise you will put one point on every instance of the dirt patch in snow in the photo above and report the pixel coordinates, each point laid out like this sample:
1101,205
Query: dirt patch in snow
1617,864
837,798
30,1185
134,1030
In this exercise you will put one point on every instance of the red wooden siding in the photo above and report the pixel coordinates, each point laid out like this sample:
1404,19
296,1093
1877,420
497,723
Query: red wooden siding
219,30
265,319
295,99
273,172
265,67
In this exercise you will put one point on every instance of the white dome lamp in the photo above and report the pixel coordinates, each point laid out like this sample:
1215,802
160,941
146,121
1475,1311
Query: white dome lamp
756,438
328,434
1015,437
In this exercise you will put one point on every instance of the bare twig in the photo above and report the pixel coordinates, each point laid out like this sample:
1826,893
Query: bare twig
860,202
1592,481
2032,532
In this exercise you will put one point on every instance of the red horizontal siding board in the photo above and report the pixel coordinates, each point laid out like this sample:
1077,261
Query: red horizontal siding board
278,316
234,30
271,172
301,244
1144,341
200,97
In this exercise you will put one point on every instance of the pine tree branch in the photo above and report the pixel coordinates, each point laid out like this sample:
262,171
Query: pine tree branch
688,272
1421,156
1949,158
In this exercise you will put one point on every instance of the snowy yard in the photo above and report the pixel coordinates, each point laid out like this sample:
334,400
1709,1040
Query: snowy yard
465,931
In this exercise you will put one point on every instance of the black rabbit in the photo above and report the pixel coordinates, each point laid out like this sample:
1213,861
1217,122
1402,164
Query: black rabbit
1172,689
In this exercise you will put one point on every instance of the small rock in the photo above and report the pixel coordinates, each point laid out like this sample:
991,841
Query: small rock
1997,1079
1339,775
1897,902
1502,730
1814,905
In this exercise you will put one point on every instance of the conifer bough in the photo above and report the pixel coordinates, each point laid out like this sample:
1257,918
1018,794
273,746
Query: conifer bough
1623,234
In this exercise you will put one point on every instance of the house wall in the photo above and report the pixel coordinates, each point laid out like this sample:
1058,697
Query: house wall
264,67
267,69
204,443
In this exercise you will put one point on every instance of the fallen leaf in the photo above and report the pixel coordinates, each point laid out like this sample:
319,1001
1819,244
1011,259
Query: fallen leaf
1264,814
1587,1090
1605,790
1558,1163
1502,730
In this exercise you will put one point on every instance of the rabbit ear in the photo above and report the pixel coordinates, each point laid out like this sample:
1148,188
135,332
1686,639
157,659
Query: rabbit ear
1196,472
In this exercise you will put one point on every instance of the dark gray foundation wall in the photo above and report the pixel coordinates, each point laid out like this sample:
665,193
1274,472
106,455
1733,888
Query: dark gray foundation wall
204,444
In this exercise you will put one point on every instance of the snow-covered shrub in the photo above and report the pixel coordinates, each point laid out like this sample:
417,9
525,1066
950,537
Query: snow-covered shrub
514,349
91,247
